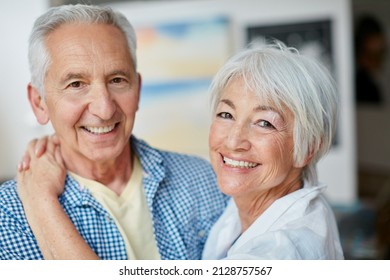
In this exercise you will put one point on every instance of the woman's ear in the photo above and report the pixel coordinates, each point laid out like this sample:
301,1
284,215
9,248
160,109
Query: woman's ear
308,158
306,161
38,104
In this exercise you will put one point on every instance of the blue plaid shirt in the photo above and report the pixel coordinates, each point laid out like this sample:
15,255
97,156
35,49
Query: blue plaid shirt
182,197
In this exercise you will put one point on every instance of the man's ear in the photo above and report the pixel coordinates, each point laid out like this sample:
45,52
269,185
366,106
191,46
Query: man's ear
139,89
38,105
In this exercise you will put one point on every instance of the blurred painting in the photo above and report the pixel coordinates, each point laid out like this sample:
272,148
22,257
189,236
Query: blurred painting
177,62
312,38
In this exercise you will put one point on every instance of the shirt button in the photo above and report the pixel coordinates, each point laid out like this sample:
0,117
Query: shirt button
108,219
201,233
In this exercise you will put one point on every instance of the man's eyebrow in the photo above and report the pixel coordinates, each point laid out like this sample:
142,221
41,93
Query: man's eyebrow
72,76
120,73
76,76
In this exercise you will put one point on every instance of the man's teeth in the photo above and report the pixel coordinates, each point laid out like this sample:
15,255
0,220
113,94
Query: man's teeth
100,130
239,164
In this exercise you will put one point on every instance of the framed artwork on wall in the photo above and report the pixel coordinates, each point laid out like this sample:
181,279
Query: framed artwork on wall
311,38
177,61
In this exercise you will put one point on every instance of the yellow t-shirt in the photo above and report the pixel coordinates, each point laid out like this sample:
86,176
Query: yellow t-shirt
130,212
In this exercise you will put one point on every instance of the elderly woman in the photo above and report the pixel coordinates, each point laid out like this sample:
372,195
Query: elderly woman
274,118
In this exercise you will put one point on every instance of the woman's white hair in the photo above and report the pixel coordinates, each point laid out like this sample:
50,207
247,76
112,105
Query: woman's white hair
38,55
281,77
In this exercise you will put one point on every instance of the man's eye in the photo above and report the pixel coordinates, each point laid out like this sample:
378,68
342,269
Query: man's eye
224,115
265,124
117,80
75,84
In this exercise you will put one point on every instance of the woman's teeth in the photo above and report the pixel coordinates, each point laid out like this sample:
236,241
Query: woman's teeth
239,164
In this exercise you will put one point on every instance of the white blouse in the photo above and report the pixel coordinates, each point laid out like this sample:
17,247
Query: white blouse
300,225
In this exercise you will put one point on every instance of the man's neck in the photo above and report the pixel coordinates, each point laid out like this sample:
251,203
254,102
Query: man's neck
114,174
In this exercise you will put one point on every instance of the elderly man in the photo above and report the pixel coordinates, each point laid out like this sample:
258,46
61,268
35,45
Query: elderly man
126,199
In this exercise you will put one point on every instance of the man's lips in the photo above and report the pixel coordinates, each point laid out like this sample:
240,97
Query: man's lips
99,130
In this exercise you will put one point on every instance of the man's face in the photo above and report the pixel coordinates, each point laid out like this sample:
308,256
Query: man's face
91,91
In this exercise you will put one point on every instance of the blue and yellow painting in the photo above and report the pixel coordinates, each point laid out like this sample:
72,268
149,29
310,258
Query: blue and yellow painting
177,61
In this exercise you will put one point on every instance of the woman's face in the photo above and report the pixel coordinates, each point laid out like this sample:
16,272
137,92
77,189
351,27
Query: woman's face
251,144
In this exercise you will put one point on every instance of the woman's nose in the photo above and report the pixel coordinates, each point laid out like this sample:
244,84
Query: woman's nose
238,137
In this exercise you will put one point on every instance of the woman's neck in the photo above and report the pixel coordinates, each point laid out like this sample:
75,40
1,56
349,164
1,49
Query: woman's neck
253,205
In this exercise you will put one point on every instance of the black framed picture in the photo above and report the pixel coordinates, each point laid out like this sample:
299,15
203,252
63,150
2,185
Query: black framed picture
311,38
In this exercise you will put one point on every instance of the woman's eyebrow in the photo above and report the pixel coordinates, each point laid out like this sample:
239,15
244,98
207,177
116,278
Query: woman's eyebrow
228,102
265,108
262,108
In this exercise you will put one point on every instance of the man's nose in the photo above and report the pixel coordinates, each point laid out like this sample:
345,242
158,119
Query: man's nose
238,137
103,104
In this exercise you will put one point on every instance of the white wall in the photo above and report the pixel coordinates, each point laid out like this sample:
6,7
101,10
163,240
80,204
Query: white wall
17,126
338,169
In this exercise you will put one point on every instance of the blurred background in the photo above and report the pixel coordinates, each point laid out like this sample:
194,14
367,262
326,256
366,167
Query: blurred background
182,43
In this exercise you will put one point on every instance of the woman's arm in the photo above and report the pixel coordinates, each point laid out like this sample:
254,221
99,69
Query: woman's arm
40,181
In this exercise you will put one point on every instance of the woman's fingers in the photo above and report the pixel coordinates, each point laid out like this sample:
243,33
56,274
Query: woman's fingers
37,147
58,156
25,163
55,139
41,146
50,146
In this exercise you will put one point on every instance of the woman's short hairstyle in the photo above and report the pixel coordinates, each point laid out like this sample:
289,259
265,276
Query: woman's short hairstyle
282,77
38,55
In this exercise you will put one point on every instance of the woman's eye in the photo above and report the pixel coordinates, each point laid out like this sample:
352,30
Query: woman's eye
224,115
265,124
